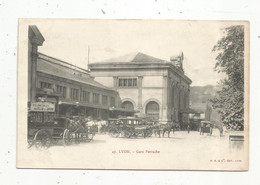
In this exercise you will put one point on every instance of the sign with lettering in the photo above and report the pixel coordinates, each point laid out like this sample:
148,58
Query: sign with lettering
43,107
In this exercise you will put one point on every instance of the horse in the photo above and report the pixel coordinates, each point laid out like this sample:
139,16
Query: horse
164,128
167,128
157,130
77,127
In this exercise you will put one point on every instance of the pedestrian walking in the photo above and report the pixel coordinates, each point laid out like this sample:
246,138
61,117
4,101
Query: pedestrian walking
188,128
221,131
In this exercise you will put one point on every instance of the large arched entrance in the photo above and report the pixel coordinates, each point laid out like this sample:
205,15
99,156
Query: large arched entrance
128,105
152,110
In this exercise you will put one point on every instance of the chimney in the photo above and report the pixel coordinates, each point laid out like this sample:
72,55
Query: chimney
177,60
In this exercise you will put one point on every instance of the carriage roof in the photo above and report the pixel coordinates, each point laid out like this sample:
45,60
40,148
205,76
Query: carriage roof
113,119
130,118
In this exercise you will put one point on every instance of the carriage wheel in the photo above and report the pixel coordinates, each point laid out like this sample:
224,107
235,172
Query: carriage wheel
149,133
30,140
42,139
144,133
135,134
55,141
86,137
141,133
30,143
103,130
127,133
83,137
67,137
114,132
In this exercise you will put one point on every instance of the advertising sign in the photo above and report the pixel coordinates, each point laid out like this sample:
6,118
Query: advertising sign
43,107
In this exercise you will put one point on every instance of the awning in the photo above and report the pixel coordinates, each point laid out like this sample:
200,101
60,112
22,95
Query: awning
122,109
78,104
97,106
83,105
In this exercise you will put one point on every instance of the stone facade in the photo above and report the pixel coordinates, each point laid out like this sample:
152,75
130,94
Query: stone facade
160,89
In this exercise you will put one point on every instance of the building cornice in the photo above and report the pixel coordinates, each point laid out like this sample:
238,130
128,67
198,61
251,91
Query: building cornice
35,35
125,66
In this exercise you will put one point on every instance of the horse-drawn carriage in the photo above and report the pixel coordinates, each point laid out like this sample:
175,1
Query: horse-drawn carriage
206,127
104,127
162,128
45,129
129,127
113,127
79,130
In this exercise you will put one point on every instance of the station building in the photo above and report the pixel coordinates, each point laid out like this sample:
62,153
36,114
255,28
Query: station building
155,87
70,88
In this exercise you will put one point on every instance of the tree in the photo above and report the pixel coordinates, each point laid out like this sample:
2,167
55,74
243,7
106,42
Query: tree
230,60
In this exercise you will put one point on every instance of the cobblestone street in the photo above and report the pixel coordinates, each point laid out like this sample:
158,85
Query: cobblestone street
205,150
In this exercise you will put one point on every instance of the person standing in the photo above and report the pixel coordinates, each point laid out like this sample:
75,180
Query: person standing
221,131
188,128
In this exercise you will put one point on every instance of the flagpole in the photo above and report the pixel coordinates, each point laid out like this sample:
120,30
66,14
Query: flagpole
88,57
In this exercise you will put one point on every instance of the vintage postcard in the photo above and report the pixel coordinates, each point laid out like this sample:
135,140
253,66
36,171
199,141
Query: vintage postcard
133,94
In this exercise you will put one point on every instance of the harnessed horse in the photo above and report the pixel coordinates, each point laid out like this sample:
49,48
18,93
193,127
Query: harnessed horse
164,128
77,127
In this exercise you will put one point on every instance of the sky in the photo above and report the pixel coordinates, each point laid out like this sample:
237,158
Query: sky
69,40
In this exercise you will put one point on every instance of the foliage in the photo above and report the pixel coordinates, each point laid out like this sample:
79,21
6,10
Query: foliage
230,60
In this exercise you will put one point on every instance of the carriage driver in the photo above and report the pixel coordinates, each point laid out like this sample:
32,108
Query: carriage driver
88,120
82,121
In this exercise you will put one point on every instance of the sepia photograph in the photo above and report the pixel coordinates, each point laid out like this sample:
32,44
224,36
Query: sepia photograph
133,94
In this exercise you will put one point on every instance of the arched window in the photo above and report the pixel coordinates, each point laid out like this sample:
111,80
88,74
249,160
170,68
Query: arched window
152,110
128,105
